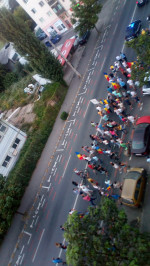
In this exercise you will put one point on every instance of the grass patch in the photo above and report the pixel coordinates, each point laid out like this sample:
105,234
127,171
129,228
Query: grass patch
12,190
14,96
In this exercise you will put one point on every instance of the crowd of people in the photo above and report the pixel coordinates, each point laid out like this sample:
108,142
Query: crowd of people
115,113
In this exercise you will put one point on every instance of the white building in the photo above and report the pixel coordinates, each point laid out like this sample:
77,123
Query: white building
49,15
12,140
4,3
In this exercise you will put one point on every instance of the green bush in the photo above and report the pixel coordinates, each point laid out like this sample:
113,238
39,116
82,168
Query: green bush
10,78
64,116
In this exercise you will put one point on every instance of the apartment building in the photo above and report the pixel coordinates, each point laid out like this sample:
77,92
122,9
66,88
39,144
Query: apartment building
12,140
49,15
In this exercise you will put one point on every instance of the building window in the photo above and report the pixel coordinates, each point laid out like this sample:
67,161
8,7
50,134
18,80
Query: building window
16,142
2,128
41,3
57,7
49,13
33,10
41,19
7,160
25,1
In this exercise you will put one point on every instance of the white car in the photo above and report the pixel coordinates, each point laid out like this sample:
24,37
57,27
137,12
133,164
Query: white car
146,87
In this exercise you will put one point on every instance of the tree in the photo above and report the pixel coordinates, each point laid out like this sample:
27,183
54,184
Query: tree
26,43
24,17
3,72
85,13
141,45
103,237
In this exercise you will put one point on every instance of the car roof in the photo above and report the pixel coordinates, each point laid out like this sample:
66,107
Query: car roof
143,119
130,182
128,188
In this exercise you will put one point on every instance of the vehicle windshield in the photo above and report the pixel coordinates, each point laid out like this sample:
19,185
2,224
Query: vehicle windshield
137,144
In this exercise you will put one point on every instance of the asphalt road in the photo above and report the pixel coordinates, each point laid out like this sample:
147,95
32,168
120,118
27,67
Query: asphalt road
50,210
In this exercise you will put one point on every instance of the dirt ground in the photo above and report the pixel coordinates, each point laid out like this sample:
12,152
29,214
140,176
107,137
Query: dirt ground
20,116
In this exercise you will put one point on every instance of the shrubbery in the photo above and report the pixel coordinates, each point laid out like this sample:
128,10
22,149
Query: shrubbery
64,115
11,190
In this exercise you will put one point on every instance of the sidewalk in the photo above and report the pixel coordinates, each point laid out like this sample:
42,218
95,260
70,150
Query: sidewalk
82,54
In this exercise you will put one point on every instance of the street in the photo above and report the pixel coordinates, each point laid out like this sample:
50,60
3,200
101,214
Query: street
49,210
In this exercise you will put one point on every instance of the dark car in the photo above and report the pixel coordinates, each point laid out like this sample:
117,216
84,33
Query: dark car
133,30
42,36
141,137
141,2
53,39
84,38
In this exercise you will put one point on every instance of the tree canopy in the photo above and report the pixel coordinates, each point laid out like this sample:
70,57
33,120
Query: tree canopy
24,17
141,45
103,237
26,43
86,13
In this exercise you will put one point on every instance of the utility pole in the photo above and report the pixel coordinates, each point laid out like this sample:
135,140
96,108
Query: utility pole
66,60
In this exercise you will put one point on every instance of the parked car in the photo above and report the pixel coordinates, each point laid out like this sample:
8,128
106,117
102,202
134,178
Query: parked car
146,86
141,137
133,30
53,39
133,187
141,2
42,36
84,38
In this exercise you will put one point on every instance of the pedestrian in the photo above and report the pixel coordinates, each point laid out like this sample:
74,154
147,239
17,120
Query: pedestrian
88,198
93,137
109,89
102,170
115,196
98,108
77,172
72,211
62,228
117,185
60,245
115,165
131,83
85,148
94,124
128,69
85,189
87,158
105,117
108,182
119,58
75,183
124,63
77,191
131,118
123,56
106,142
95,158
58,260
113,133
117,65
107,133
124,145
127,101
92,181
